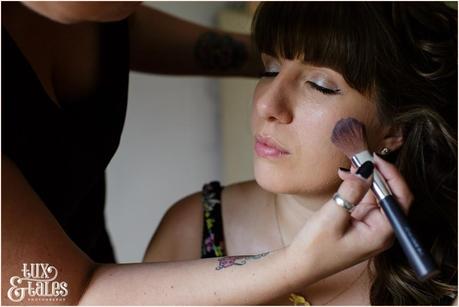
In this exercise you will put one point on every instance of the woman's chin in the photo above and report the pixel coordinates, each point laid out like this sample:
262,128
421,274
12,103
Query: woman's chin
272,178
270,187
282,181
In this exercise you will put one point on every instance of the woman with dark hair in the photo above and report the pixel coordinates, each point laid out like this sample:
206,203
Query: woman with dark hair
64,94
393,67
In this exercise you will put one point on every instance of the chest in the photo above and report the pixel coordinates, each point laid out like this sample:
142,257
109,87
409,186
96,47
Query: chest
62,126
256,231
76,67
64,58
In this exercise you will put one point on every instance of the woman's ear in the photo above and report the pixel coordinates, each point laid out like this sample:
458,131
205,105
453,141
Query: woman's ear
392,140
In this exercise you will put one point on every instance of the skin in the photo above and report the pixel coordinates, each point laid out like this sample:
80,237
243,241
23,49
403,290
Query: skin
331,241
60,42
290,111
71,12
288,108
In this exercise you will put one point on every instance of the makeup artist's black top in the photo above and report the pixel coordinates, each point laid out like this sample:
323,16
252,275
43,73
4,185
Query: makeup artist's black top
63,151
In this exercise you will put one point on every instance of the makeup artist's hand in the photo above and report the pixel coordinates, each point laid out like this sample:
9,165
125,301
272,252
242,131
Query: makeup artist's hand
337,239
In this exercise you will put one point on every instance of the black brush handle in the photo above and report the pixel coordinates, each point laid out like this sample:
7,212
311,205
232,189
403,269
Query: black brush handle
419,259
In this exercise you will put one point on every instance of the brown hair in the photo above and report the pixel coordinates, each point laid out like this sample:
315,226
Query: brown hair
403,56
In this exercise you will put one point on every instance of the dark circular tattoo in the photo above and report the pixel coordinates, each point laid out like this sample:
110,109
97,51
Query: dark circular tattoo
215,51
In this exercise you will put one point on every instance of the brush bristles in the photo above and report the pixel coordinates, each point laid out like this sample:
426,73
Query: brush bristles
349,136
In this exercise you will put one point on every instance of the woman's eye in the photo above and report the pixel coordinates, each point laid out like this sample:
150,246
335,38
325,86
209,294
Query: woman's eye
269,74
323,90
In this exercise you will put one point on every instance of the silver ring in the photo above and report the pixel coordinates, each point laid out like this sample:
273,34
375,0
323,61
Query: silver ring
340,201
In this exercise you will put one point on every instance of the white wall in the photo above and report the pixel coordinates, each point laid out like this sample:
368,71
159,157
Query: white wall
235,108
169,148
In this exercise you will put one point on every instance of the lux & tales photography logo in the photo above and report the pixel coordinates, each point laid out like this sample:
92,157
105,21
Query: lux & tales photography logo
38,283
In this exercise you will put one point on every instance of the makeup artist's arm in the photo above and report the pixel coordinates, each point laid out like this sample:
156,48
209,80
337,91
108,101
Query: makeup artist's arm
30,234
162,43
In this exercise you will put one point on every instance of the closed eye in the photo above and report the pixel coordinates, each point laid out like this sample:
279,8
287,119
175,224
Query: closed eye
323,90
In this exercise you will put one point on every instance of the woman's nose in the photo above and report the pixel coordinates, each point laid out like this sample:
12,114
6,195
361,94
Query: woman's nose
274,104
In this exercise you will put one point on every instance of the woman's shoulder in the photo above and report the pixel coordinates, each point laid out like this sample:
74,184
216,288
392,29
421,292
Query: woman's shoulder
189,210
179,233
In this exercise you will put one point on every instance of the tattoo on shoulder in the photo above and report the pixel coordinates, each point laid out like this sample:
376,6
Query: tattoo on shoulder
226,262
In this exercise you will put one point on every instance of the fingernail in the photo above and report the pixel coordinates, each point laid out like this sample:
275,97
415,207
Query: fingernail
366,169
343,169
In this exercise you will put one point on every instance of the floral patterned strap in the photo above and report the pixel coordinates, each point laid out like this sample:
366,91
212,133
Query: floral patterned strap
213,241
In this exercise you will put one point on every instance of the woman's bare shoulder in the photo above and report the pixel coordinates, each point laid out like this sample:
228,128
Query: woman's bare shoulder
179,234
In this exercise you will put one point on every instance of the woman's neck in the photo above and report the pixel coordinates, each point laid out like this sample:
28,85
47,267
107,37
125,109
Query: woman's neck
292,212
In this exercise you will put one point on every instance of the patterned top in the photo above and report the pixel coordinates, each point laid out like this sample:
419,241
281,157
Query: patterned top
213,244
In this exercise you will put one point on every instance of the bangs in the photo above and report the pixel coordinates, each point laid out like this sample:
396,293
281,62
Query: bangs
327,34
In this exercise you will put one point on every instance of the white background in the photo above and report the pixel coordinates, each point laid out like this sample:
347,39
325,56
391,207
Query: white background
169,148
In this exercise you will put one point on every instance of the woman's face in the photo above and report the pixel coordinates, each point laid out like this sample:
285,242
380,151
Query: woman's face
295,108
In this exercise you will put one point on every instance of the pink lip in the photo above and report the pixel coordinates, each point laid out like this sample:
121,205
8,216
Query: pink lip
266,147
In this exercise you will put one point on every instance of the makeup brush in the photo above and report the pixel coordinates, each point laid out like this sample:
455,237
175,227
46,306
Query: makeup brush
349,136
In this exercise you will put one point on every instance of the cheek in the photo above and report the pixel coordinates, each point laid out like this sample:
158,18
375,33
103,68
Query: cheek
312,171
314,130
312,167
318,158
255,120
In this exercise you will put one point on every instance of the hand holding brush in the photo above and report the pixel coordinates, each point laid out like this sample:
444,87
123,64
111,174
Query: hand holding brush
349,136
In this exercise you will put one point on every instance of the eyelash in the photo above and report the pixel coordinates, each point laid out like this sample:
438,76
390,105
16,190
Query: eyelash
323,90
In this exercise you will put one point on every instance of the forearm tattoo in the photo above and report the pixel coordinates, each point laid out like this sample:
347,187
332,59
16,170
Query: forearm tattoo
215,51
226,262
